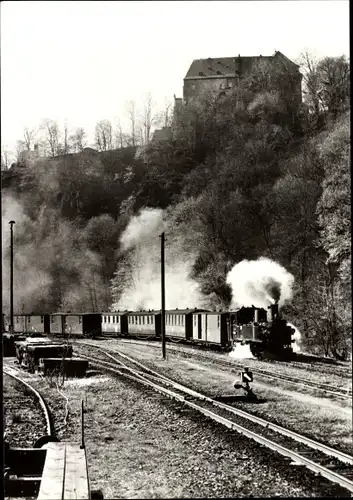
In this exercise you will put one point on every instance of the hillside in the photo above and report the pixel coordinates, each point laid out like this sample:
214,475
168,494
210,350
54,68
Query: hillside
234,182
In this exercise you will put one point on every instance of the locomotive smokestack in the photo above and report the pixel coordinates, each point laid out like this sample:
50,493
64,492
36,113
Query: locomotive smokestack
274,311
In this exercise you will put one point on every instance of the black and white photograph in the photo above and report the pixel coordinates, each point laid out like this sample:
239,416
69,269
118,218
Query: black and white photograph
176,249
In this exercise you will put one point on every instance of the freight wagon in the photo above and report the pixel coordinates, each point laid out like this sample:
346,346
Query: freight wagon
31,323
76,324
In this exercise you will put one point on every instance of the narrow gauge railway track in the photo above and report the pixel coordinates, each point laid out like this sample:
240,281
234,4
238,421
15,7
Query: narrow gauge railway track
49,425
331,464
340,392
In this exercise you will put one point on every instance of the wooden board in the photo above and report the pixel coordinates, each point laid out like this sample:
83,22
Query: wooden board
65,475
52,483
76,477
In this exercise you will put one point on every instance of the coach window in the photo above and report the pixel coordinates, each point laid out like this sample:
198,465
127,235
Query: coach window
148,320
194,320
29,319
42,319
143,320
79,320
218,319
152,320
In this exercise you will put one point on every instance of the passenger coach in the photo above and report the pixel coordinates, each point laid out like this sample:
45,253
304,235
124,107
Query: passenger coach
115,322
144,323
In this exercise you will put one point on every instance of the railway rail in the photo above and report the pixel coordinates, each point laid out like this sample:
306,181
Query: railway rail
330,463
49,425
340,392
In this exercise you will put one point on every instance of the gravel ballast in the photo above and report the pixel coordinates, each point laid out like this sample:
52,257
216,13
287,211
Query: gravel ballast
140,444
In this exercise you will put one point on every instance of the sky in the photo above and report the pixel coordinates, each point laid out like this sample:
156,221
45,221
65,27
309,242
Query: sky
81,62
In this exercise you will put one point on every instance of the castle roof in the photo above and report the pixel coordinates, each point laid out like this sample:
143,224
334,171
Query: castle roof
227,66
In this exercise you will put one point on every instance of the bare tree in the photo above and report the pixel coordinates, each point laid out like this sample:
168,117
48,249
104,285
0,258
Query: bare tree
131,113
121,138
167,114
104,135
51,138
28,135
66,145
78,140
5,159
20,148
311,82
334,74
148,119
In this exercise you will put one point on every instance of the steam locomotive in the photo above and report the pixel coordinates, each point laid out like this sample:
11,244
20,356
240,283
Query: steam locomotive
267,337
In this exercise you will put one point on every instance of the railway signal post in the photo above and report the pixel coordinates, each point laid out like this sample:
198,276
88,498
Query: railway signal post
162,236
12,222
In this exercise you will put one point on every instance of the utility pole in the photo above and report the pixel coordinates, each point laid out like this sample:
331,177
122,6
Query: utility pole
12,222
162,236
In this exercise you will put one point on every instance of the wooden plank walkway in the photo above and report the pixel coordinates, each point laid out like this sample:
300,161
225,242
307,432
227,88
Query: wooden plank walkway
65,475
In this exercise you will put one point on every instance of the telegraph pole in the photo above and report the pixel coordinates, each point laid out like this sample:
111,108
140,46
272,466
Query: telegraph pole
162,236
12,222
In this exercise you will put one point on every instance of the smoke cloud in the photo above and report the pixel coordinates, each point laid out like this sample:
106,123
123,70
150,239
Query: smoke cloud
142,289
53,267
259,283
141,228
30,281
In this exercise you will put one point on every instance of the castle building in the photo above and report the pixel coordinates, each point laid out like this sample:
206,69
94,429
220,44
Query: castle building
219,75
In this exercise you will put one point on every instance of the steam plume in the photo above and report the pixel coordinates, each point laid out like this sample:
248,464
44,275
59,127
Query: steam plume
296,337
141,228
142,289
259,283
241,352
